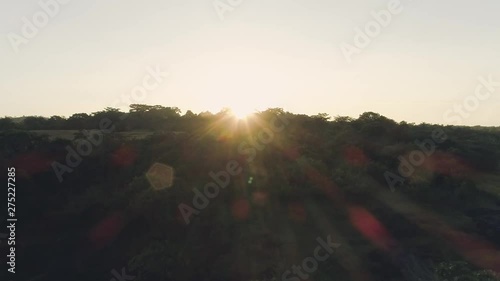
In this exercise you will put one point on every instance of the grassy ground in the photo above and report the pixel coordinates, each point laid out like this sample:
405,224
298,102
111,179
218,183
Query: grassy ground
70,134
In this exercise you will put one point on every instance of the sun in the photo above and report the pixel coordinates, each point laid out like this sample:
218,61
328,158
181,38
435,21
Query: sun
241,112
241,115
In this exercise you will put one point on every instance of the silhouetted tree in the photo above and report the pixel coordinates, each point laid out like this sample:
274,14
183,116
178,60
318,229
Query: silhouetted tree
7,123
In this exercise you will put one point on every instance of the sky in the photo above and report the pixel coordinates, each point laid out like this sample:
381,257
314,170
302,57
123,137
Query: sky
423,62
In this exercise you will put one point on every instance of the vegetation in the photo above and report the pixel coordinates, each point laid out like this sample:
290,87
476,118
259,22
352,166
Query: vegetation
302,177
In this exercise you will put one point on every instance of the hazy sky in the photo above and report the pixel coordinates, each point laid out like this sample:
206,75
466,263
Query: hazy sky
262,53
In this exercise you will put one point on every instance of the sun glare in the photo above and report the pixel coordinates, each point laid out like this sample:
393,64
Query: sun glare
241,113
